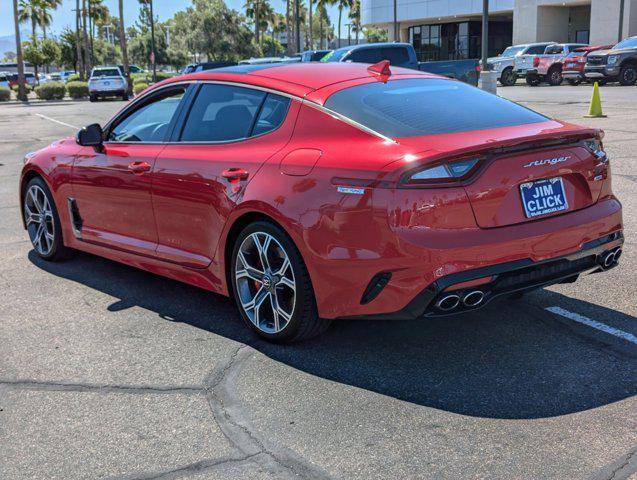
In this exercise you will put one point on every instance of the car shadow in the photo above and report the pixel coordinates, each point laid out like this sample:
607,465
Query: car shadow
508,360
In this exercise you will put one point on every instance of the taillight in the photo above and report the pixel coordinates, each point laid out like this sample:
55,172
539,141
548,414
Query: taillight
536,62
478,68
443,173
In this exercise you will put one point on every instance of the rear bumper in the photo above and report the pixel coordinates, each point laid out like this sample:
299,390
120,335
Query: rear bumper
107,93
600,72
573,74
423,261
526,72
505,279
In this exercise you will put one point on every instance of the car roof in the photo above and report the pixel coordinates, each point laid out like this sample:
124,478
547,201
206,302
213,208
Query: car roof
300,79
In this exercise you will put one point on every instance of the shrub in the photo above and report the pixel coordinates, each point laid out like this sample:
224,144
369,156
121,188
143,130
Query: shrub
27,86
51,91
74,77
162,76
77,89
5,94
140,80
139,88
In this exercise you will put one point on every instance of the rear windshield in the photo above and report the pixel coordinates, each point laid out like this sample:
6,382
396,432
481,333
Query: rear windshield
417,107
107,72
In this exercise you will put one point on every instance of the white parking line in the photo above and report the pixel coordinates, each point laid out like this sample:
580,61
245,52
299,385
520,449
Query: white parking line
629,337
57,121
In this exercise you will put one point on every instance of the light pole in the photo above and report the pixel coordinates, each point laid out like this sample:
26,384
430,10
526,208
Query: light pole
349,35
396,21
621,21
488,80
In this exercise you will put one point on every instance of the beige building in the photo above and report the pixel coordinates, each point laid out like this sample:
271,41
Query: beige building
447,29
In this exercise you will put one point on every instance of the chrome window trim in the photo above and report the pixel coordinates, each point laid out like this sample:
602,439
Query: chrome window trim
302,100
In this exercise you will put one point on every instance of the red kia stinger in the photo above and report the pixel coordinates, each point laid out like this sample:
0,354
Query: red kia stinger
312,192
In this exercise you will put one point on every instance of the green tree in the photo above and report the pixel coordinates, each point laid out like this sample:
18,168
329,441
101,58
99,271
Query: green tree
68,50
373,34
324,19
209,27
355,18
10,57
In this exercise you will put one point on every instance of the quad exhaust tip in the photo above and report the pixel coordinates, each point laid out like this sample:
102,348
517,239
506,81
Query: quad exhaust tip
610,258
473,299
448,302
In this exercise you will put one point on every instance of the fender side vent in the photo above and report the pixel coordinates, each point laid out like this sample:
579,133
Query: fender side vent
376,285
76,220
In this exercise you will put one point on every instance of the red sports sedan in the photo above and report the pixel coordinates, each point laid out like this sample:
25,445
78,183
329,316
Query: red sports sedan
311,192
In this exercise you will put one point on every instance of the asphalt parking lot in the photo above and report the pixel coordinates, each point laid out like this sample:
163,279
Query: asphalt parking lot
110,372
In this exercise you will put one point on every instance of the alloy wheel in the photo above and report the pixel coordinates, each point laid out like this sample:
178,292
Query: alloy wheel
38,216
265,282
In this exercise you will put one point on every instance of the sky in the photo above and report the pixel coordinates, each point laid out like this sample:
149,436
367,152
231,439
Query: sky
164,9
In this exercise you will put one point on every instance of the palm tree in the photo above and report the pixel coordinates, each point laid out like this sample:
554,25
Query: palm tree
260,12
78,43
355,17
341,4
311,40
22,91
30,11
122,43
321,7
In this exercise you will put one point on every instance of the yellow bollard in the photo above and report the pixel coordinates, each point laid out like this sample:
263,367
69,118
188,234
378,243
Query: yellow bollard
595,109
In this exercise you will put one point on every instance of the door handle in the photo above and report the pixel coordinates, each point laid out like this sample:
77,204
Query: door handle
139,167
235,174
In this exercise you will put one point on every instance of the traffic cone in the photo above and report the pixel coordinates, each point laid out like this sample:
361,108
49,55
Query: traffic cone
595,108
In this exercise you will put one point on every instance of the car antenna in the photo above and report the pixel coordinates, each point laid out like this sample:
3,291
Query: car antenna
380,68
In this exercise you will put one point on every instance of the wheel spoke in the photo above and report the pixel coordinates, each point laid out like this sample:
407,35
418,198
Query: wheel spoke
255,303
262,249
288,283
286,264
248,270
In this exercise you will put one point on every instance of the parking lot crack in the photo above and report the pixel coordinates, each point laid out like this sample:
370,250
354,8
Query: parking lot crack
27,384
233,422
186,470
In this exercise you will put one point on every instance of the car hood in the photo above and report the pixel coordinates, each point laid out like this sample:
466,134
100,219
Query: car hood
600,53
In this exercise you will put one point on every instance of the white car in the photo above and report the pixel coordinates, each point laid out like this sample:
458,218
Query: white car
107,82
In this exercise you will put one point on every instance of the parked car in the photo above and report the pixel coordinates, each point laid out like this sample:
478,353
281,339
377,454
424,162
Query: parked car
28,76
62,76
545,67
131,69
503,63
200,67
310,192
4,79
267,60
313,55
107,82
573,64
404,55
619,64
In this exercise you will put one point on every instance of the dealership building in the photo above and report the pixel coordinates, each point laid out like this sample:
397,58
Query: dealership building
451,29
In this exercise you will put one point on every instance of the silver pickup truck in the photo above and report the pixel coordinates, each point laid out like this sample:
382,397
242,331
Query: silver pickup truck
503,63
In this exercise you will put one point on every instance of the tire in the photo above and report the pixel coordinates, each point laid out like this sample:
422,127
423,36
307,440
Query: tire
93,98
574,82
270,285
38,201
125,97
508,78
532,80
628,75
554,76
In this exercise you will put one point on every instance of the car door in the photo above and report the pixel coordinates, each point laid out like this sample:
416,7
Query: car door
228,132
112,185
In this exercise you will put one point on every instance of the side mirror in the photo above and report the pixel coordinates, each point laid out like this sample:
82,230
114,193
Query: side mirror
90,136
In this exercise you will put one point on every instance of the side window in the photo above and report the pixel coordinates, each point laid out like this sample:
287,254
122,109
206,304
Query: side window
536,50
364,55
222,113
149,123
271,115
397,55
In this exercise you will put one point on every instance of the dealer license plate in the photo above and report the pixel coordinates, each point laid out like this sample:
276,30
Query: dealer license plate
543,197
